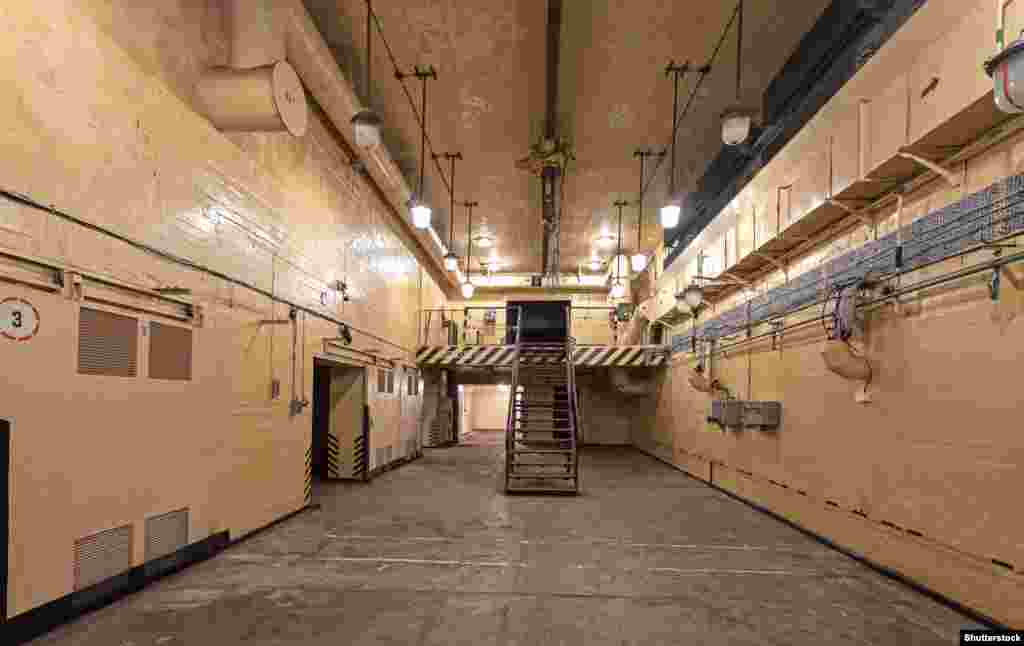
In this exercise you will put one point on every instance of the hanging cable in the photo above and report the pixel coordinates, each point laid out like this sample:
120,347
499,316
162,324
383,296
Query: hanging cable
703,73
408,96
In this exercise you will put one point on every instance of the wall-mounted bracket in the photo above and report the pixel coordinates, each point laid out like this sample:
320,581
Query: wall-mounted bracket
771,260
860,214
951,178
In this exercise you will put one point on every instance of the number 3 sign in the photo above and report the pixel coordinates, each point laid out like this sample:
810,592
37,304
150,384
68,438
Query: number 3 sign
19,319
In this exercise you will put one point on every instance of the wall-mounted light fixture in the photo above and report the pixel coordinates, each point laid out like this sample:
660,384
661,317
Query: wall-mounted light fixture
670,212
366,123
418,206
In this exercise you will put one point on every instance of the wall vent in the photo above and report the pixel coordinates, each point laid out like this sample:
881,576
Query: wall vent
108,344
170,352
101,556
166,533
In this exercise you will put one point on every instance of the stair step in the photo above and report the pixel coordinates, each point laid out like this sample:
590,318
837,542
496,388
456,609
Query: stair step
543,451
543,477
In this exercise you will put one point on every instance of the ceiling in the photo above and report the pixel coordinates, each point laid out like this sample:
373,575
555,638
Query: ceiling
489,101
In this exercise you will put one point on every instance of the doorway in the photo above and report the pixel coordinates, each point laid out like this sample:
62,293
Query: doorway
5,472
340,442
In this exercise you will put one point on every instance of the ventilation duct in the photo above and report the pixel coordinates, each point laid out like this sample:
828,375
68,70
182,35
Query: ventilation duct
259,91
841,360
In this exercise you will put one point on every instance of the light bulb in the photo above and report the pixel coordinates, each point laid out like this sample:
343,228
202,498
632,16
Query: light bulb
421,215
467,289
484,241
451,262
618,289
596,264
639,262
366,127
690,297
670,216
735,128
606,239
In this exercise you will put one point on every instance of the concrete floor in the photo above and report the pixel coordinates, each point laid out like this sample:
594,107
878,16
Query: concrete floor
432,553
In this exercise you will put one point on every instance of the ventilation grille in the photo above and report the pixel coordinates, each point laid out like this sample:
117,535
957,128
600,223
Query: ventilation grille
170,352
107,344
103,555
166,533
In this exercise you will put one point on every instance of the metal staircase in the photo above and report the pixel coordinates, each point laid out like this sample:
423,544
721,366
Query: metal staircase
541,431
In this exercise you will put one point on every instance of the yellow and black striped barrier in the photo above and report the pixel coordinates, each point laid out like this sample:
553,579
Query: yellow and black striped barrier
496,356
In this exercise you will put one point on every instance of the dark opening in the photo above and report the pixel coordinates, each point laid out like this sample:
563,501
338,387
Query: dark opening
5,473
321,418
539,322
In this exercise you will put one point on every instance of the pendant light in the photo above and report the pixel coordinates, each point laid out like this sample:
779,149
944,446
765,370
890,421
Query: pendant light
736,121
639,259
366,123
451,261
670,212
467,287
618,287
421,212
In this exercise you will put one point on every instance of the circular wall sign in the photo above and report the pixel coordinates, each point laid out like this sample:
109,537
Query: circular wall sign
19,319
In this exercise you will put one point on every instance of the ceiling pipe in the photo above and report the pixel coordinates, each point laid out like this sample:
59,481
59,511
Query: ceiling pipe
258,91
551,176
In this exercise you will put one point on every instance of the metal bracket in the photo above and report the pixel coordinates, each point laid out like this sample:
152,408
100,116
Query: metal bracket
772,260
950,177
860,214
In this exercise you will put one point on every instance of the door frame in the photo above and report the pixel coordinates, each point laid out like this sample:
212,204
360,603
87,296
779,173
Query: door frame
335,363
5,510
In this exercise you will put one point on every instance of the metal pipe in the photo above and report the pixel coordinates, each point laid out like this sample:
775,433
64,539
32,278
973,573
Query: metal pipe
184,262
925,284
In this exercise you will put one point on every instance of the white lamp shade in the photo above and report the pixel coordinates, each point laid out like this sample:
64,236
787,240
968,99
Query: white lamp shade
606,240
467,289
421,215
596,264
484,241
451,262
735,128
366,128
639,262
618,289
691,297
670,216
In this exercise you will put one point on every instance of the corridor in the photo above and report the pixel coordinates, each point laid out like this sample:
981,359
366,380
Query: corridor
433,553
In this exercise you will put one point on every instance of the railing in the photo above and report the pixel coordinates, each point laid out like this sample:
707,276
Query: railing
489,326
574,404
510,420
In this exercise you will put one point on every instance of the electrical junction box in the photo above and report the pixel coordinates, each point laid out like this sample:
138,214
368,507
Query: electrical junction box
741,414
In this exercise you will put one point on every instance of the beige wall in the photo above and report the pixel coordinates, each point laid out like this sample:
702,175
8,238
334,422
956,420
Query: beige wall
488,407
922,479
98,122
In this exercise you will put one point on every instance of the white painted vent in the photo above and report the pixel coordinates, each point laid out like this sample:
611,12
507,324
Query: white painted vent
108,344
166,533
103,555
